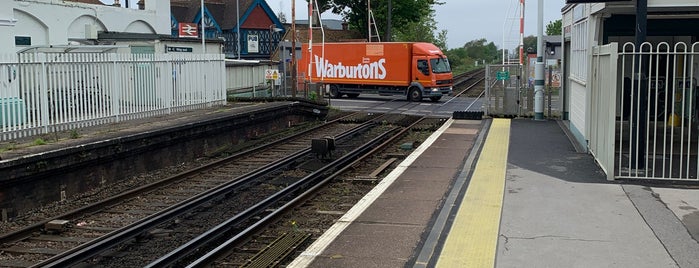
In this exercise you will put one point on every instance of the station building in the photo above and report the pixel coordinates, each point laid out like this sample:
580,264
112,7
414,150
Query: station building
630,87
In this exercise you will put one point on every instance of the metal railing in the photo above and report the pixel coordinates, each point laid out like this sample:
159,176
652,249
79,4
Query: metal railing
657,124
48,92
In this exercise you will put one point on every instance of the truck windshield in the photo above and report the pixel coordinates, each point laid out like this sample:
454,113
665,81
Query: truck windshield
440,65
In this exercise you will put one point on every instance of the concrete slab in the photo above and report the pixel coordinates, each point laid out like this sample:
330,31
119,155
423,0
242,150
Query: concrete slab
666,227
382,245
421,184
403,211
445,158
549,222
684,203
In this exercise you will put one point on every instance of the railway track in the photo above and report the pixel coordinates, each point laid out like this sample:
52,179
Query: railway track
139,228
36,243
288,234
467,84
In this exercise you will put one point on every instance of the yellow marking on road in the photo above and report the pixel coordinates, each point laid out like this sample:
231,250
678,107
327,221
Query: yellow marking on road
473,238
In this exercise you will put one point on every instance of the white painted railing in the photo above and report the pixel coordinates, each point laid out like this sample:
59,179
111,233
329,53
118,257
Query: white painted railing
657,128
47,92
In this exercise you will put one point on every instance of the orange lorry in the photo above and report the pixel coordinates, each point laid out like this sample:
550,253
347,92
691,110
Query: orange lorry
415,70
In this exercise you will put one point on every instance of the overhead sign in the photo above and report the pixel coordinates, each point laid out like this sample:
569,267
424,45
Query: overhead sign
188,30
271,74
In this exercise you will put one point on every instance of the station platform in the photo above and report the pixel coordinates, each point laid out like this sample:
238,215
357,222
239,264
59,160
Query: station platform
488,193
510,193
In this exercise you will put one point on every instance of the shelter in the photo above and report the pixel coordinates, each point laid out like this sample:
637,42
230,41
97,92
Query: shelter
630,83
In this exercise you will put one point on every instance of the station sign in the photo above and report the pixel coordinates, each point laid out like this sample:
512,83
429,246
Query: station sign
178,49
188,30
503,75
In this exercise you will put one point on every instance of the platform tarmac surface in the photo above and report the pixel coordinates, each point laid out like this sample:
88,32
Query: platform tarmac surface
551,206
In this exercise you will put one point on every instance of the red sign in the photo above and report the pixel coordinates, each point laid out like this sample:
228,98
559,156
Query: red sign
188,30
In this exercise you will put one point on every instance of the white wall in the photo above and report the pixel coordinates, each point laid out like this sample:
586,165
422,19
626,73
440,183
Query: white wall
7,25
54,22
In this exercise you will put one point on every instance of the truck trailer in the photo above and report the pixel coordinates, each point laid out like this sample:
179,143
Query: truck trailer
414,70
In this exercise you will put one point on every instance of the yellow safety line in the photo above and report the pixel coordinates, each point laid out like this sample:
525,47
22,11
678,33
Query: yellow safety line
473,238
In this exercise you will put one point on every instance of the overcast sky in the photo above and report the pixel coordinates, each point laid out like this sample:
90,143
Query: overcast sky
467,20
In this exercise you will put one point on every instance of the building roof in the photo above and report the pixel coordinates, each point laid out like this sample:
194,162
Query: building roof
224,12
94,2
330,35
333,24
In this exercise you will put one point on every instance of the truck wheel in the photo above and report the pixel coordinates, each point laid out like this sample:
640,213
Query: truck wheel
334,91
414,94
435,99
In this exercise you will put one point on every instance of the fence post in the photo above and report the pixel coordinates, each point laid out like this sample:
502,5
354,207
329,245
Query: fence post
43,93
115,90
169,82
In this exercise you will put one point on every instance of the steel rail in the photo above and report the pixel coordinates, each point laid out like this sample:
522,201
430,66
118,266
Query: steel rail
85,251
221,250
315,180
37,227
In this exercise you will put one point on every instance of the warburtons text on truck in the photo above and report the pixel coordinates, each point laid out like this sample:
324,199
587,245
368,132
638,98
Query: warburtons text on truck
414,70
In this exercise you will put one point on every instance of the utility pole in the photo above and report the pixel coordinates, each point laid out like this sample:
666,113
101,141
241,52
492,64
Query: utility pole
237,27
293,49
539,67
388,21
203,29
521,32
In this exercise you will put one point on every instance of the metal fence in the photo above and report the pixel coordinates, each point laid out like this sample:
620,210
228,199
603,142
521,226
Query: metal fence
510,91
503,87
657,126
48,92
247,78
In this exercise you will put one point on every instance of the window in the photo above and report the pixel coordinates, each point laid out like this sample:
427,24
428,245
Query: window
422,67
579,45
23,40
440,65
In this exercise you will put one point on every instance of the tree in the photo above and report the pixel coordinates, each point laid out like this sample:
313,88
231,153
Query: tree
530,44
473,55
554,28
412,16
417,31
441,40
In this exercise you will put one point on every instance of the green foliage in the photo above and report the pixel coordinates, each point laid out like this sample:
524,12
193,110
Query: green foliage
441,40
530,45
481,51
554,27
39,141
313,96
411,20
74,134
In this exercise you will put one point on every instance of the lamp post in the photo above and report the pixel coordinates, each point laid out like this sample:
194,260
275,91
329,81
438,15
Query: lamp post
272,30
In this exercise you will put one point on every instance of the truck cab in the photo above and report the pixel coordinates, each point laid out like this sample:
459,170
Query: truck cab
432,77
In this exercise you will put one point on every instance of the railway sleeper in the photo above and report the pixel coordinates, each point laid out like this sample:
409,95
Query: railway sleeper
278,250
373,176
